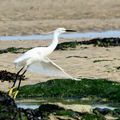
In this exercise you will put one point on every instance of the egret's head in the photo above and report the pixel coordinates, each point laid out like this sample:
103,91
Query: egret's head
63,30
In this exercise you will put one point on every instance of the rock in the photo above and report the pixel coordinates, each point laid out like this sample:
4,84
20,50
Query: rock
32,114
117,111
51,111
107,113
8,109
103,111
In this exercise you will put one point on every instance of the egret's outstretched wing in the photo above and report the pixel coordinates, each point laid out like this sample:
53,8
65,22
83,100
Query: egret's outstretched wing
49,68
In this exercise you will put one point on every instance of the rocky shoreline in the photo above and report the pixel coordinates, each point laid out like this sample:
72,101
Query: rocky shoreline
101,42
85,90
93,90
10,111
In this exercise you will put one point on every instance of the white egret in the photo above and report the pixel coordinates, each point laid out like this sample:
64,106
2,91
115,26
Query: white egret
36,60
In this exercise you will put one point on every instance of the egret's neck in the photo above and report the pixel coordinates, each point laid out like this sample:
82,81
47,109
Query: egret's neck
54,43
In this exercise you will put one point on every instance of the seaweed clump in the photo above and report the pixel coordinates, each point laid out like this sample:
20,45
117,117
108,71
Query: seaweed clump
14,50
101,42
96,90
9,76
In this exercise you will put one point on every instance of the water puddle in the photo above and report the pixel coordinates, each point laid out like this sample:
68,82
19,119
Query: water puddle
103,106
103,34
28,105
36,103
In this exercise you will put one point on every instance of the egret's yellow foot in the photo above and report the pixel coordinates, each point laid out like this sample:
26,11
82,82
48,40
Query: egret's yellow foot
15,94
10,92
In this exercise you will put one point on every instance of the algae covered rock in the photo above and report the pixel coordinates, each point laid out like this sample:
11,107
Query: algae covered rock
96,90
8,108
10,111
50,111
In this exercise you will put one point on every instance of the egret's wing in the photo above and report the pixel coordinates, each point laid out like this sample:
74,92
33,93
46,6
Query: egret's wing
21,61
49,68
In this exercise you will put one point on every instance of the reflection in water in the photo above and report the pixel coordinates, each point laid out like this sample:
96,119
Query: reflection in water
104,34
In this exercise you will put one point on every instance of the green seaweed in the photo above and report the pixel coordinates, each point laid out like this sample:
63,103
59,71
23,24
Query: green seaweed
66,45
92,117
14,50
101,42
95,90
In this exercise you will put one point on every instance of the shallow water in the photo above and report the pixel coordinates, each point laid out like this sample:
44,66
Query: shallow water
103,34
28,105
36,103
103,106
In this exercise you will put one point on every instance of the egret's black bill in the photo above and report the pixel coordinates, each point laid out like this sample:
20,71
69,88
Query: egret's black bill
71,31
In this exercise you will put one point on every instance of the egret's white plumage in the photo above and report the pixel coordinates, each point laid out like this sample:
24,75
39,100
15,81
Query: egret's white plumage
36,59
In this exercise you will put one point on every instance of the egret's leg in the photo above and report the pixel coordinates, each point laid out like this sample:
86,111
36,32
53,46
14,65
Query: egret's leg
10,92
16,92
17,76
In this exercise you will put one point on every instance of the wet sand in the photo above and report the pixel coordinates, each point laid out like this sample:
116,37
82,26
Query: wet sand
34,17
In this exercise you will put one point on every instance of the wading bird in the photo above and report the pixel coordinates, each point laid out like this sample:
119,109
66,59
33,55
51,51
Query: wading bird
36,60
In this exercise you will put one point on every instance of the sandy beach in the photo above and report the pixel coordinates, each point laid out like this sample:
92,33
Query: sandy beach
22,17
25,17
